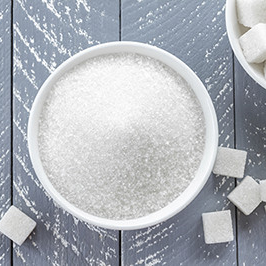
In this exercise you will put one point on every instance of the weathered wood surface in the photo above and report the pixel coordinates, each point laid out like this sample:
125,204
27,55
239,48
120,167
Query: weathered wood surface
251,136
45,34
195,32
5,122
48,32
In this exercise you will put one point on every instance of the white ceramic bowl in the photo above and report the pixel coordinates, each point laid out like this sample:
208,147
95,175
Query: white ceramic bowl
234,31
211,144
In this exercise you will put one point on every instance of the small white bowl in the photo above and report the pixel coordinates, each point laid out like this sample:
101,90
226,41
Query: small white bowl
211,142
234,31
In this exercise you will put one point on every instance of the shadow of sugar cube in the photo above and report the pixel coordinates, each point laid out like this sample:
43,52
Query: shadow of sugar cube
230,162
217,227
16,225
246,196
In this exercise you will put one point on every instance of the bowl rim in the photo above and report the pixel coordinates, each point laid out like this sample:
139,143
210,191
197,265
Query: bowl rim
231,11
211,136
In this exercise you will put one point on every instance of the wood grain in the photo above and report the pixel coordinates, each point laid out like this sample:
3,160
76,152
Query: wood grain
195,32
45,34
5,122
251,136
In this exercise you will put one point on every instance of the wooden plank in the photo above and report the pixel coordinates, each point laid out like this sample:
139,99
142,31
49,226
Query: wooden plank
45,34
5,123
251,136
195,32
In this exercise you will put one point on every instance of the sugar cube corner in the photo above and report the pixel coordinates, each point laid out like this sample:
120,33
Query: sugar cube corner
230,162
217,227
16,225
253,44
263,190
251,12
246,196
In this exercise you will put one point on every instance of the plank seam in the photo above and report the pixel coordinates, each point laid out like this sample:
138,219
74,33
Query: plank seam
235,146
120,19
120,249
11,115
120,233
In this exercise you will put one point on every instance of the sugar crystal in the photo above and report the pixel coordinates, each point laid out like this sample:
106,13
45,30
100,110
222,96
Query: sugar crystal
217,227
264,69
253,44
246,196
263,190
16,225
230,162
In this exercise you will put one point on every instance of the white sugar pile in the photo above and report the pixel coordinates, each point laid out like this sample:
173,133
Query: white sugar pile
121,136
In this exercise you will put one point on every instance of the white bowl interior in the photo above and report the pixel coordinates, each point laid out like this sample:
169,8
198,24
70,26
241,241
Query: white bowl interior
211,142
234,31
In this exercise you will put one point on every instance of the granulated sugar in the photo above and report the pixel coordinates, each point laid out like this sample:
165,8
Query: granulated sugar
121,136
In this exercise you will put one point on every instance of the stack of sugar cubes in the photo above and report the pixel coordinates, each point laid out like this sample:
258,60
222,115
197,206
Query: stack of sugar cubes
252,14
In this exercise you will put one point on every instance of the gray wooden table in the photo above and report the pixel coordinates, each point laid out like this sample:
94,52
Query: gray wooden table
35,37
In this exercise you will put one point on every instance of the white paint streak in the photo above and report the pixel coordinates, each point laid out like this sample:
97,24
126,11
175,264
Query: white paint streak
51,7
19,253
53,40
18,64
32,49
84,3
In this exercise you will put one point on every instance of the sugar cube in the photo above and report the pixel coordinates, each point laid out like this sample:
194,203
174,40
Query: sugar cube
16,225
253,44
263,190
230,162
217,227
246,196
251,12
